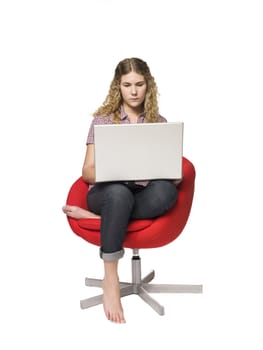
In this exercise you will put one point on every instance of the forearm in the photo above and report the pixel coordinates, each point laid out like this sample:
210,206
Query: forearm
88,174
88,168
178,181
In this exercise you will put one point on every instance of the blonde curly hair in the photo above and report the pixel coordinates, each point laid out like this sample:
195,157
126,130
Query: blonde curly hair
113,101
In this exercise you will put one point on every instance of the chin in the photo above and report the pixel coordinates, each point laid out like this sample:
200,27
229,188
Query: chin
135,104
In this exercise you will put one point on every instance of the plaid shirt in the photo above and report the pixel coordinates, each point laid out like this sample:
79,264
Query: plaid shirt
124,119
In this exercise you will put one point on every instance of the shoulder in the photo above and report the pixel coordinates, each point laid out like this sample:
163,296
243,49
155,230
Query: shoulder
101,119
161,119
97,120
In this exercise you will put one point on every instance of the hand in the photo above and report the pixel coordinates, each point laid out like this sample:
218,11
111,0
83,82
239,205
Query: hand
178,181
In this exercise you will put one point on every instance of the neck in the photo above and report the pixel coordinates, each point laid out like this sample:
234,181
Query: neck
133,111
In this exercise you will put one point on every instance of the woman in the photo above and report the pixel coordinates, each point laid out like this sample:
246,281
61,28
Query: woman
132,98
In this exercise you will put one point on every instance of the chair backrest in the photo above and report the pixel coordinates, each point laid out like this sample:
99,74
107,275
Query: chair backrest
140,233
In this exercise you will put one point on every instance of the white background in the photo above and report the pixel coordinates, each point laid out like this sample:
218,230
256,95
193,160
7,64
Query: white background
57,60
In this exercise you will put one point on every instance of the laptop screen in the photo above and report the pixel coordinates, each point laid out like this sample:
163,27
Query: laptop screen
143,151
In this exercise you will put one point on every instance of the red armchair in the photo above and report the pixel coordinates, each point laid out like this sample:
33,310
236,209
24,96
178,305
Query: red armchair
141,234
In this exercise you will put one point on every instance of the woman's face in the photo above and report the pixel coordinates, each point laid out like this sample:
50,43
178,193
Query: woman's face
133,89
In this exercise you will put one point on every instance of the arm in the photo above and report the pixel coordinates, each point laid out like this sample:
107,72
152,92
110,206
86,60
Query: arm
88,169
178,181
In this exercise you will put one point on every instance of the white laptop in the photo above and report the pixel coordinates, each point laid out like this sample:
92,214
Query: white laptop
143,151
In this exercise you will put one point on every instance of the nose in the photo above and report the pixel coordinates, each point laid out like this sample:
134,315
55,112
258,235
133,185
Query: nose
133,90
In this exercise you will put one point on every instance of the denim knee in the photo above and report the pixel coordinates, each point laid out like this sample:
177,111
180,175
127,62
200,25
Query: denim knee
118,202
164,193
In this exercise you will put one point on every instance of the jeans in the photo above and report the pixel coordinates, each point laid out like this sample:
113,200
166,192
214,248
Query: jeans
118,203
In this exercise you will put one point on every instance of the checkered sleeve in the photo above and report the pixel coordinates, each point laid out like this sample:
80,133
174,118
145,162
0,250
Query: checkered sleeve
97,120
90,138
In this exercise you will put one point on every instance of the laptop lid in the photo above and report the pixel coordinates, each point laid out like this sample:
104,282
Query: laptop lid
143,151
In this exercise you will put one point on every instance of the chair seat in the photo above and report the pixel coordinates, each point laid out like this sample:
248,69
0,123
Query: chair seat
147,233
94,224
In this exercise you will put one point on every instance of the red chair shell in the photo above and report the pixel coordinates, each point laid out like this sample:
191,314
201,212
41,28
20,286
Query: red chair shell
140,233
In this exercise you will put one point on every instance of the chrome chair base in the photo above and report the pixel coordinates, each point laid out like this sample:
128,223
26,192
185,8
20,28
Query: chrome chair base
140,286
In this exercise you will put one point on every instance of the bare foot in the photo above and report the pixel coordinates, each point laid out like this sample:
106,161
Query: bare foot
112,301
78,213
